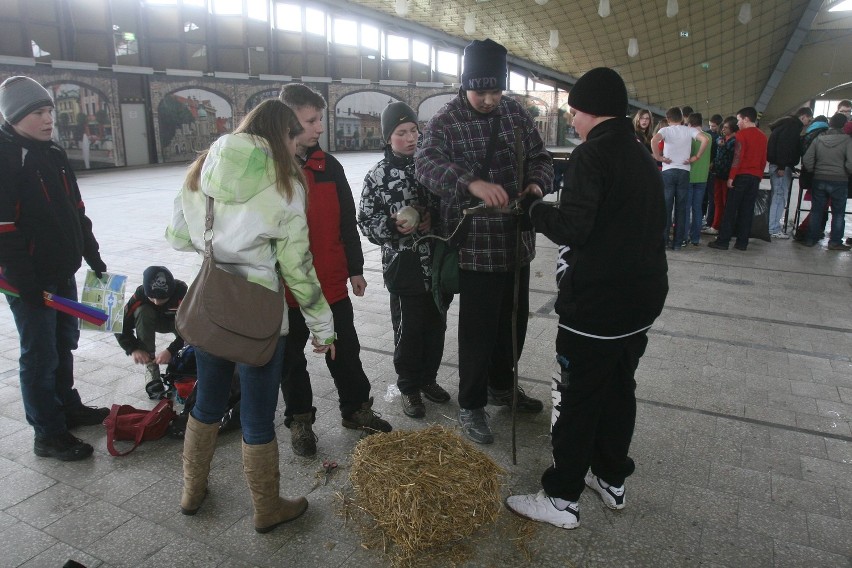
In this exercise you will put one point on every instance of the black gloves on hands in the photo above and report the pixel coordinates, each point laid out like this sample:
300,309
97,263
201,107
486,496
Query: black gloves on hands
524,205
98,267
526,202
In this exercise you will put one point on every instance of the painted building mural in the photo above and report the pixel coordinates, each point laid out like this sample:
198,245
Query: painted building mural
190,121
357,120
84,125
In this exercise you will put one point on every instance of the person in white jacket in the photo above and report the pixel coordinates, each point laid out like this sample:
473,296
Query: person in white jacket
259,232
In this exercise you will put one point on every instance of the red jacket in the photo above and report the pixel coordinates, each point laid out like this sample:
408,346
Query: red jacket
334,238
749,153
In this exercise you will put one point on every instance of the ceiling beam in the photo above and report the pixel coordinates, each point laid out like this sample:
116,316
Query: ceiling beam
794,42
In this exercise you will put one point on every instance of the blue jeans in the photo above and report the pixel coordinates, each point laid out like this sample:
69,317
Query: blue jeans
258,393
697,202
676,187
780,186
46,363
837,192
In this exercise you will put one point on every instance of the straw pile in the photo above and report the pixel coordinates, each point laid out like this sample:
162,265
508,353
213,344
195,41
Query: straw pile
424,489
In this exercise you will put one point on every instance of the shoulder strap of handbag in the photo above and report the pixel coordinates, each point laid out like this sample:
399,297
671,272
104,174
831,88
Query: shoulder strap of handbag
492,145
152,415
208,230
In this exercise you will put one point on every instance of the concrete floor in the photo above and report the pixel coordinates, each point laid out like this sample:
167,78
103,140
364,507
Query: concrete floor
743,444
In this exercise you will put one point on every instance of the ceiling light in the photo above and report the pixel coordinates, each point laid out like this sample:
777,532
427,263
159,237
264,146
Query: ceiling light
603,8
633,47
554,39
671,8
469,24
401,7
541,2
745,13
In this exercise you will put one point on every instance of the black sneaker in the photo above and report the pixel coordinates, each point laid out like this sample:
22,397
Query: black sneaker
412,405
435,393
504,398
62,446
85,416
367,420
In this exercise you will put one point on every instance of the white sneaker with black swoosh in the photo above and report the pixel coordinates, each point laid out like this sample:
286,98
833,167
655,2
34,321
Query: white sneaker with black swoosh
540,507
613,497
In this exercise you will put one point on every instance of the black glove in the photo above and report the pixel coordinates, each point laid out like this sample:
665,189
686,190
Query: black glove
32,295
527,200
524,220
98,267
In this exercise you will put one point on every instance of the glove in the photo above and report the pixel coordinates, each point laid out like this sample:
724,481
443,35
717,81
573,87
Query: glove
524,220
32,295
526,202
98,267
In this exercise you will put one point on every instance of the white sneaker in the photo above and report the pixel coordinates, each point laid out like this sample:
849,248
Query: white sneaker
613,497
709,231
780,235
540,507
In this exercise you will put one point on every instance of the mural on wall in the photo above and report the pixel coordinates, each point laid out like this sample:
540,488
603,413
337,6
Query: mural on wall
190,120
357,120
538,110
83,125
565,127
430,106
258,98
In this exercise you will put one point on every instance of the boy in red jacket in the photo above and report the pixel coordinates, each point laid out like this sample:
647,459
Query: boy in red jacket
336,247
743,182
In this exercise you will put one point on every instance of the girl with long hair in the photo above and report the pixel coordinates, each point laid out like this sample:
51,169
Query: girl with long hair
260,233
643,125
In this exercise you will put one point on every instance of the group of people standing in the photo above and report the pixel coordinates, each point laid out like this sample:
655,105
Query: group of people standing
284,215
712,194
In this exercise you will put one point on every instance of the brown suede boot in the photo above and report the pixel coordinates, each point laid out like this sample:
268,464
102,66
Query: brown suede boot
260,464
199,443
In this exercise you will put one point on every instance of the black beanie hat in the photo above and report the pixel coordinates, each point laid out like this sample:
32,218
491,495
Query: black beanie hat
484,66
20,95
395,114
600,92
158,282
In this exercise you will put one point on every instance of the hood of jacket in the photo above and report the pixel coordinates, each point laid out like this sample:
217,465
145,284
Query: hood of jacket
832,138
237,168
816,125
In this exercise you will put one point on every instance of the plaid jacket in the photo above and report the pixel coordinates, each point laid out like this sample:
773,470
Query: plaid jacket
451,156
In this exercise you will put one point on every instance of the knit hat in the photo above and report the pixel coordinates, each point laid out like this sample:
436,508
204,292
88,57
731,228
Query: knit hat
158,282
600,92
395,114
19,96
484,66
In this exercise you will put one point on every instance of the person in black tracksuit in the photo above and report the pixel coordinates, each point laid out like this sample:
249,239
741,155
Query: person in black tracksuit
418,325
610,292
44,236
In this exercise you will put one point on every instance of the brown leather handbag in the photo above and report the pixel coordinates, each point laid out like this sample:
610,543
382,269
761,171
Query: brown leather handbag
226,315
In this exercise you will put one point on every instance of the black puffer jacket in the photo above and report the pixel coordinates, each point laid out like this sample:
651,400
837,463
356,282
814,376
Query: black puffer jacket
783,146
611,283
44,231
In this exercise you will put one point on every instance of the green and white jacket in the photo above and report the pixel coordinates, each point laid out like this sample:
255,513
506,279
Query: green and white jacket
254,227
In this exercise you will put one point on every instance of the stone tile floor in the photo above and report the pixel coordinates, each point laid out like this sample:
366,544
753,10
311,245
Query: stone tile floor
743,444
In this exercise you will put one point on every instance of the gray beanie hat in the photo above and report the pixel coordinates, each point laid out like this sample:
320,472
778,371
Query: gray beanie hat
395,114
19,96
